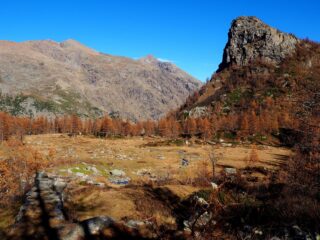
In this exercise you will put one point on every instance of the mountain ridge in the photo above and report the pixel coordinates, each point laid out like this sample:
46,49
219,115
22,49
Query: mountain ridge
72,78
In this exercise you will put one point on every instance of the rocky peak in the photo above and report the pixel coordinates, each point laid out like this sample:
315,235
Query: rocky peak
249,39
162,65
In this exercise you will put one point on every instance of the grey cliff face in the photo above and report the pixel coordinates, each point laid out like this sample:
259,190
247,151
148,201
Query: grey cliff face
250,39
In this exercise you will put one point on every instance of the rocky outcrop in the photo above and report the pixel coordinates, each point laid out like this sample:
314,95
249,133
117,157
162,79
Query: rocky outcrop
43,216
250,39
43,210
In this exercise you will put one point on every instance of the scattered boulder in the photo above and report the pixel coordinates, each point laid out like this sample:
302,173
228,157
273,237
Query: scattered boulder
138,224
226,144
79,174
203,219
71,232
117,173
92,169
230,171
201,202
99,184
120,180
97,224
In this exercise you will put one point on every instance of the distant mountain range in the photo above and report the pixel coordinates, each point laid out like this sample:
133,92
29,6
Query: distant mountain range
51,78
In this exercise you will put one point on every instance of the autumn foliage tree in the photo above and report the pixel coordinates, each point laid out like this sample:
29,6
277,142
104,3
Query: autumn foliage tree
190,126
4,126
107,127
204,128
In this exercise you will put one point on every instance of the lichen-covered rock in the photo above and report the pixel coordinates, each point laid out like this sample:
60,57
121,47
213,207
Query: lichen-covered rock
250,39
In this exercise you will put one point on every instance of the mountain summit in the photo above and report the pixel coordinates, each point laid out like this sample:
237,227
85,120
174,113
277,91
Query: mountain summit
251,39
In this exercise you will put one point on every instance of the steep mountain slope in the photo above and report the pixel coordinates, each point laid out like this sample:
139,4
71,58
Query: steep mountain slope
38,77
263,72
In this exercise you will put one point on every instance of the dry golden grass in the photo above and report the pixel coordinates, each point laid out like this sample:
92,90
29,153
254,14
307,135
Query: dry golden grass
130,155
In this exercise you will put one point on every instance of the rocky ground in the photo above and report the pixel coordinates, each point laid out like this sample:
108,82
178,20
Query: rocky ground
43,216
140,188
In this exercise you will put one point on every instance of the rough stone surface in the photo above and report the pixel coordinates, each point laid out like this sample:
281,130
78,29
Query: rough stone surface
250,39
96,224
117,173
198,112
48,195
230,171
43,216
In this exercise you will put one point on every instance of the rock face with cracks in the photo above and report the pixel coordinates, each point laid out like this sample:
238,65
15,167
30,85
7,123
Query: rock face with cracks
250,39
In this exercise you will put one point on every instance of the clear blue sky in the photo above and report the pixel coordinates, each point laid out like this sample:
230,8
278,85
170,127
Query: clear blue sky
191,33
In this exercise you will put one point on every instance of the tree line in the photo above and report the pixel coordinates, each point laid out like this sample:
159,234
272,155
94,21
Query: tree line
250,122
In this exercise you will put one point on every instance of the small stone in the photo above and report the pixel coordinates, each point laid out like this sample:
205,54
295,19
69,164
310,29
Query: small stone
119,180
226,144
230,171
214,186
79,174
90,182
200,201
204,219
100,184
258,232
135,223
